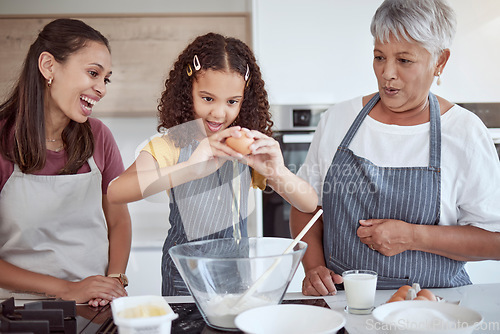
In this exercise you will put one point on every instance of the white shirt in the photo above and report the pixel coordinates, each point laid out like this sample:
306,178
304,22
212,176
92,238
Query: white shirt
470,168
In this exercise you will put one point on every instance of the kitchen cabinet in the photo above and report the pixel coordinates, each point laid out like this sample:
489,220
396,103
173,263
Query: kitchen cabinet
143,50
144,271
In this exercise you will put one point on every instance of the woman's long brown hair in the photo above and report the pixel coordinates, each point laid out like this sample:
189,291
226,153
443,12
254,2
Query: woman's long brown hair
22,136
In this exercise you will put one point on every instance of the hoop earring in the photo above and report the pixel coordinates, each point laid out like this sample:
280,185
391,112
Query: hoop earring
49,82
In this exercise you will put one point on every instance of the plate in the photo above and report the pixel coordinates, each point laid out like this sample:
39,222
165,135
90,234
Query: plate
419,316
290,319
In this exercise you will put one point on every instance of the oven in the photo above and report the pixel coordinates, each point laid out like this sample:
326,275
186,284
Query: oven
489,113
294,127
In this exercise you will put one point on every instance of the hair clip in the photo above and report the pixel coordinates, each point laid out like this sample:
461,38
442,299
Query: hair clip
196,63
247,75
189,70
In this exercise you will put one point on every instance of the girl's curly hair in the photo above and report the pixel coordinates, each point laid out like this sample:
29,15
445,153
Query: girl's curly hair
218,53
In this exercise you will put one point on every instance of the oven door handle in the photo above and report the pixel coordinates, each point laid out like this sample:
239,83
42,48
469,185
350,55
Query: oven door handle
297,138
495,134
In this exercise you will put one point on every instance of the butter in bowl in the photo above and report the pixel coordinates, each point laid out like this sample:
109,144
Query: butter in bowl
140,314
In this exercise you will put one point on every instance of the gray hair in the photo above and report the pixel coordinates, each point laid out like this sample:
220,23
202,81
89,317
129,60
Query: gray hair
431,23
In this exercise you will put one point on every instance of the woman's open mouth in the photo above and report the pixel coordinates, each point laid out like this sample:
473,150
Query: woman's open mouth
87,104
390,91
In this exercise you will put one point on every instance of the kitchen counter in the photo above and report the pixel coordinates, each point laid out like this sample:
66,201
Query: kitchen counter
483,298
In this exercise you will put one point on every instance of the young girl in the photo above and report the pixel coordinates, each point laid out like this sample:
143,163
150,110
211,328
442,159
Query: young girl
214,90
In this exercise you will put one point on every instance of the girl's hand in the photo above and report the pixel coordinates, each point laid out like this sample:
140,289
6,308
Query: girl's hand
266,157
212,152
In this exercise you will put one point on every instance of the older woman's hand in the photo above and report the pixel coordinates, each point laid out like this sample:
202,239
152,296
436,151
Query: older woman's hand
320,281
386,236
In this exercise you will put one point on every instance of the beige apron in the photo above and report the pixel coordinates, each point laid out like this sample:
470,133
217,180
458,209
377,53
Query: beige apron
54,224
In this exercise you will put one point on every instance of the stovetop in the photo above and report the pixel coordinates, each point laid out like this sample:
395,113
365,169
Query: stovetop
55,316
65,317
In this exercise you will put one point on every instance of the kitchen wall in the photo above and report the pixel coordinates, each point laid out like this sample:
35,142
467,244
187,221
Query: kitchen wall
320,51
28,7
314,52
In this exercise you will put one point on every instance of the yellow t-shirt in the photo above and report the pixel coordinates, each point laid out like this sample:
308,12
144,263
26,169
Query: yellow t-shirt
167,154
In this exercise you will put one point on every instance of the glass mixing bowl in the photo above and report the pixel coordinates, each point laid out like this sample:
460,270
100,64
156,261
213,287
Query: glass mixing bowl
226,277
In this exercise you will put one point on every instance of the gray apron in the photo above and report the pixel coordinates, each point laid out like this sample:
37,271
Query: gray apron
50,224
355,189
202,210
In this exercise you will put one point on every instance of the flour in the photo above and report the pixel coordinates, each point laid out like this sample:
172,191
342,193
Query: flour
221,310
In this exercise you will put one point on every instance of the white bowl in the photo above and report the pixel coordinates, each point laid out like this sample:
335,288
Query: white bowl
290,319
160,324
419,316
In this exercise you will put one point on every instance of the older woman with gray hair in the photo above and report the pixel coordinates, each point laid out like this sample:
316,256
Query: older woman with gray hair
412,189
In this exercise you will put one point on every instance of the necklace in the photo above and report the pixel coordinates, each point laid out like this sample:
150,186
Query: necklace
52,140
59,149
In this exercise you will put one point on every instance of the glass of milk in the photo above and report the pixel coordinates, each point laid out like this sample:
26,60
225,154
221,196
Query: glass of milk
360,287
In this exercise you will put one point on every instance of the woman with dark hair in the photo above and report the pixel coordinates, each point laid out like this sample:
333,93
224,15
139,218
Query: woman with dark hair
59,235
214,90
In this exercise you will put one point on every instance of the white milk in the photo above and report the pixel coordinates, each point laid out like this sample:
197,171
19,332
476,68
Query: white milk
221,310
360,290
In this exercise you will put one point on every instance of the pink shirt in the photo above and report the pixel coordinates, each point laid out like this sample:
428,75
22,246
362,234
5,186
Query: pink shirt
106,155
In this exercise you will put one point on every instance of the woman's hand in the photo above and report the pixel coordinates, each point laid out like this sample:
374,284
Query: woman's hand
320,281
387,236
96,290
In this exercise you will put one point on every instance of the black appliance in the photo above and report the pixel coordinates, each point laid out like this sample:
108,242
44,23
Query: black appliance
489,113
294,127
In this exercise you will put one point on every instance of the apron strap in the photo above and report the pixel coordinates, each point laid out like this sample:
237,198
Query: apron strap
435,136
359,119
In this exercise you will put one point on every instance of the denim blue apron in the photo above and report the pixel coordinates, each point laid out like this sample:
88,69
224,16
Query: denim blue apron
202,210
355,189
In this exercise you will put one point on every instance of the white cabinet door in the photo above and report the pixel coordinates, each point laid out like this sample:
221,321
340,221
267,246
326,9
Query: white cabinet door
144,271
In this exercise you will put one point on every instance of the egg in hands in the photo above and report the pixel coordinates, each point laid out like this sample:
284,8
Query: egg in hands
241,144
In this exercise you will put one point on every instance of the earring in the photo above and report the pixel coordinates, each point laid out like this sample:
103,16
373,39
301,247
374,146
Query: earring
438,82
49,82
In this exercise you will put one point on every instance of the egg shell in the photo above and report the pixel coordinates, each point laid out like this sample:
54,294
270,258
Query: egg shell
241,144
421,298
426,294
395,299
402,291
